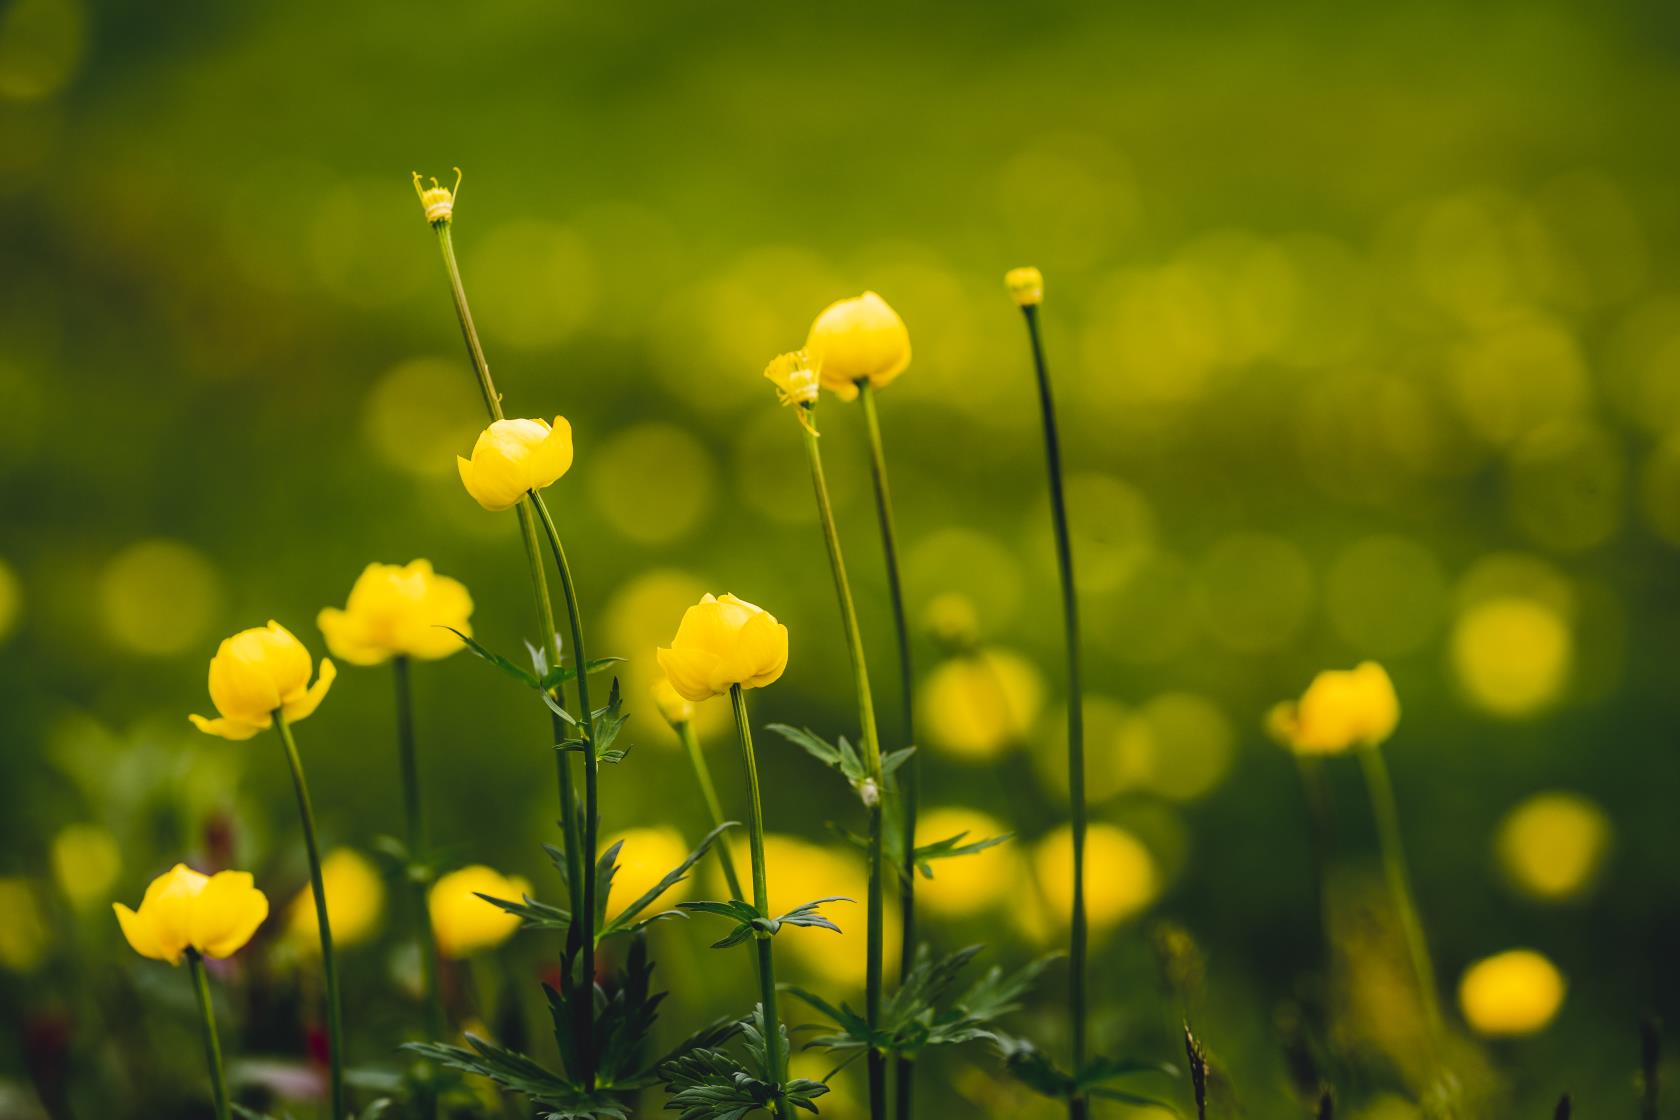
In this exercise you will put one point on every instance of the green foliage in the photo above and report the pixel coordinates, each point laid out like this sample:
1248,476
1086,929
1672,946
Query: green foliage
606,722
750,923
710,1084
1105,1078
950,848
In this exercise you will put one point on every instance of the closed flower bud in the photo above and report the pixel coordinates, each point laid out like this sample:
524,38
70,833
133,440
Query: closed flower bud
1510,993
256,673
464,923
210,914
854,340
1026,286
513,458
676,708
1341,709
721,643
438,201
398,611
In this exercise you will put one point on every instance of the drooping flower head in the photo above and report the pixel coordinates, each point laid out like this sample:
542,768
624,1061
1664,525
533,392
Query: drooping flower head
1340,710
258,672
724,642
514,457
464,923
182,909
398,611
1026,286
858,339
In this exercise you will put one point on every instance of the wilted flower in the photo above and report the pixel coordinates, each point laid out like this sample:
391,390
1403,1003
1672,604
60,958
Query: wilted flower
211,914
438,200
398,611
1514,992
1340,709
85,861
675,707
515,457
795,378
256,673
355,901
859,339
724,642
464,923
1026,286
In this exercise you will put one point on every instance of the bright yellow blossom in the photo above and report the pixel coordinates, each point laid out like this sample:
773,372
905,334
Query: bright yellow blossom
1340,709
355,901
859,339
85,861
1510,993
398,611
647,854
515,457
464,923
675,707
211,914
722,642
1026,286
256,673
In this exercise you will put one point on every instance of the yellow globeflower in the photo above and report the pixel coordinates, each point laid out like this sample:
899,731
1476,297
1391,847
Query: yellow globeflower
1026,286
979,705
515,457
464,923
256,673
860,339
85,861
1553,845
671,704
647,854
1120,875
722,642
23,928
355,901
398,611
211,914
1510,993
1340,709
966,884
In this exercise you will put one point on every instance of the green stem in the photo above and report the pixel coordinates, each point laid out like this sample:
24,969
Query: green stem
1078,1107
1321,839
910,775
212,1043
708,793
1387,814
591,773
872,763
329,962
419,871
761,900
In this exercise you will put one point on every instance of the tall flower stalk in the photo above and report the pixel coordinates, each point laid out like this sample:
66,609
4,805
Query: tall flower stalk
1027,287
774,1057
1386,812
679,713
212,1041
419,873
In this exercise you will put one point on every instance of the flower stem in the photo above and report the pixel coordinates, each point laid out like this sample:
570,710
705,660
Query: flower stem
872,763
591,776
761,901
1078,1106
910,775
418,872
329,963
1387,814
212,1043
708,793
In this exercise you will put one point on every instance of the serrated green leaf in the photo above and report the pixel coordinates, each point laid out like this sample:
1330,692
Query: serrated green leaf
622,923
554,678
495,659
952,847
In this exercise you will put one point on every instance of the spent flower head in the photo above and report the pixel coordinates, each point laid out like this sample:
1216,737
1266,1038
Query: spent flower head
437,200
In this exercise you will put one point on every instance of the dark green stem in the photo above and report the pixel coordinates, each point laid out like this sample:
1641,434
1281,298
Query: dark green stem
761,901
708,792
212,1043
1077,951
419,870
329,962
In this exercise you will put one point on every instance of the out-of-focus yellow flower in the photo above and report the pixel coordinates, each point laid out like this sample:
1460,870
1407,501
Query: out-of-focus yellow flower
398,611
648,853
1120,875
675,707
182,909
1511,993
1553,845
258,672
23,928
1512,654
1026,286
795,379
85,861
952,619
355,902
722,642
1342,708
438,201
859,339
981,704
464,923
966,884
514,457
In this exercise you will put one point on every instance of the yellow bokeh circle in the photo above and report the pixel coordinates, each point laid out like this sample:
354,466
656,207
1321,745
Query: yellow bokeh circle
1553,845
159,598
976,706
1512,654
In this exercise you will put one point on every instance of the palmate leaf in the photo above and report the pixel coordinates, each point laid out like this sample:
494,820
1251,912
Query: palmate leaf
496,659
707,1083
626,922
839,755
519,1074
607,722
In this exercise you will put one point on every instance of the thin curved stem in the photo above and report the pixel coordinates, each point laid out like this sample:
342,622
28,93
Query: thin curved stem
212,1043
419,871
708,793
329,961
872,763
761,900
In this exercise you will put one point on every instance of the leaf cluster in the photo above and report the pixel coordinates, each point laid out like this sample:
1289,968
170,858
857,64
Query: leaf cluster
750,923
1105,1078
708,1083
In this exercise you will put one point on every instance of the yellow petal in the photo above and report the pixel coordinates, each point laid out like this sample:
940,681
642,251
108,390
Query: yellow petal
229,728
139,934
691,672
302,707
227,912
346,636
553,456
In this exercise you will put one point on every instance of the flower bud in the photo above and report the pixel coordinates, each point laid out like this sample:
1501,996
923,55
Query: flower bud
211,914
1026,286
722,643
398,611
860,339
462,921
1341,709
1511,993
515,457
672,705
869,793
256,673
438,201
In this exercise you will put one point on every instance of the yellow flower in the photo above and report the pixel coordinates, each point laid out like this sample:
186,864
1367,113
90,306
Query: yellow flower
464,923
1026,286
854,340
85,861
398,612
23,927
724,642
967,884
979,705
1514,992
256,673
514,457
672,705
1339,710
795,379
212,914
1120,875
647,854
355,900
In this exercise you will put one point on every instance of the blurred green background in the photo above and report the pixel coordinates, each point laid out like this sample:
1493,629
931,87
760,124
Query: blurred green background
1367,345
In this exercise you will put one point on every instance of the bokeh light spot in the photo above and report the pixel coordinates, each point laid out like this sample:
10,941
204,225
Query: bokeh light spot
86,861
1512,655
11,601
1553,846
533,283
1121,878
978,705
23,926
420,414
969,563
647,854
41,47
970,884
1517,376
653,482
159,598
